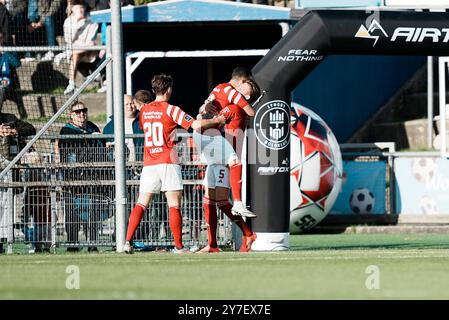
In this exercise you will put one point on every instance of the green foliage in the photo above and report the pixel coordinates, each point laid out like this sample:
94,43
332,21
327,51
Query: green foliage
141,2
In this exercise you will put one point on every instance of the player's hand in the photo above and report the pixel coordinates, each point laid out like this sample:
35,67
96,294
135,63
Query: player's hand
2,130
221,119
13,132
6,131
209,107
35,25
210,98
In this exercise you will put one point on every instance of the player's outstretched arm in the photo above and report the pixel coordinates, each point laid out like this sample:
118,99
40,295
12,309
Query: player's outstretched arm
208,123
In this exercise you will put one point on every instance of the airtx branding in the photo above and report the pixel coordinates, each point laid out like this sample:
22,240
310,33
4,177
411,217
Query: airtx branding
407,34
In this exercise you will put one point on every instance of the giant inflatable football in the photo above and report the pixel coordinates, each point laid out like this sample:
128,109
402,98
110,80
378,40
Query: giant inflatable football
316,169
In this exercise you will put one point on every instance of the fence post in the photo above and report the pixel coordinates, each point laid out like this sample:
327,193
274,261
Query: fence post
429,101
109,88
54,208
10,209
119,126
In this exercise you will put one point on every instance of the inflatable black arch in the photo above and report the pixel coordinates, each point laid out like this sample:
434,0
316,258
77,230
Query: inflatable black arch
316,35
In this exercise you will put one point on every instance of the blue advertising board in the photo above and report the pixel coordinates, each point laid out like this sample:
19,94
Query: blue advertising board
363,191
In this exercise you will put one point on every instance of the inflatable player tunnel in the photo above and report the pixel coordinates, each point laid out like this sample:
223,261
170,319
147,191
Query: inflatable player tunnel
316,35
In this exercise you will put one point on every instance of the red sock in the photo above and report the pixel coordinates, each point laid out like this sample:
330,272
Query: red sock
175,222
235,178
226,207
210,214
134,220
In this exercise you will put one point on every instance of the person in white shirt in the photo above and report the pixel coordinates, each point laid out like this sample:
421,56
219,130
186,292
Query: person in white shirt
79,30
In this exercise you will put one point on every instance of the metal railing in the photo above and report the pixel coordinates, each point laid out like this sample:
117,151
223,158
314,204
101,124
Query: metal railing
67,199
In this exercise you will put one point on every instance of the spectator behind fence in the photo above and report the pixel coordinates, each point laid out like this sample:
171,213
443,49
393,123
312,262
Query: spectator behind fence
42,13
132,126
79,30
94,5
36,204
81,205
12,138
4,20
17,22
12,135
142,97
8,78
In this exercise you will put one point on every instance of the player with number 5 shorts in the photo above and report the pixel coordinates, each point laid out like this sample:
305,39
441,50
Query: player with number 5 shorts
214,149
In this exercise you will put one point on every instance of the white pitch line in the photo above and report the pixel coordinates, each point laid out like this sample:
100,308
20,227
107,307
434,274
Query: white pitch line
305,259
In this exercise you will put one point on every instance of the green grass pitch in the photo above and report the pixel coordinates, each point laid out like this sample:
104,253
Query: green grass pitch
317,267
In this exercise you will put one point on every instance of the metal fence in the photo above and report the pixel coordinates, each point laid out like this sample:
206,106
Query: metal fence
66,198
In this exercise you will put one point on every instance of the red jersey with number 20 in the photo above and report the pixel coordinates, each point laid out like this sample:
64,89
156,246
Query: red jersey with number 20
225,94
158,121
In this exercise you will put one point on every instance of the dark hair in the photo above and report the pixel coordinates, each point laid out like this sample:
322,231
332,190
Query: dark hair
144,96
160,83
77,3
242,72
75,104
255,90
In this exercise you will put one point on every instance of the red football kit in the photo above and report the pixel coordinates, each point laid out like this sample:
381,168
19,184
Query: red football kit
225,94
158,121
235,126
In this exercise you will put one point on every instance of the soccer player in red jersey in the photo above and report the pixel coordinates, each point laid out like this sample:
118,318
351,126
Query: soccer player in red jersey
217,181
236,122
222,96
227,93
161,171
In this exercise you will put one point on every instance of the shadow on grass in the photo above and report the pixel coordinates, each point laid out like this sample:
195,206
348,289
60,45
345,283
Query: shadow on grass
398,245
366,241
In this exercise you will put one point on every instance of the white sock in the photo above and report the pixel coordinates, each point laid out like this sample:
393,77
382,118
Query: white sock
238,204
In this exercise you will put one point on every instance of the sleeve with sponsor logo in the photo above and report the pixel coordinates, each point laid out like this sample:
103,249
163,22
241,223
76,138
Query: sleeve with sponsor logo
180,117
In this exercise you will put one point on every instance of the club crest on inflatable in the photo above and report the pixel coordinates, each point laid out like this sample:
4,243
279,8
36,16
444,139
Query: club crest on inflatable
316,169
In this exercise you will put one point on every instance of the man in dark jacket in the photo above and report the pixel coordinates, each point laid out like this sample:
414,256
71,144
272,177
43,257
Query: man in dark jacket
12,134
12,138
